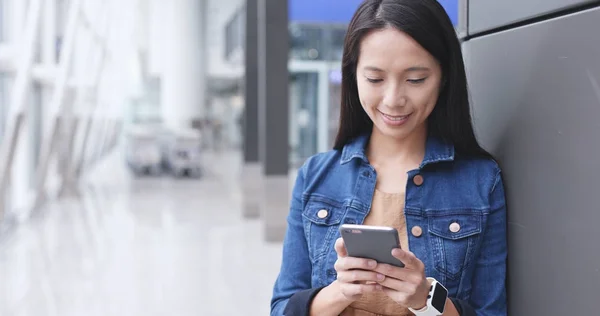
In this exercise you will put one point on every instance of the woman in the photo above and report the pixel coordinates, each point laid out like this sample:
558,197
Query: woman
405,156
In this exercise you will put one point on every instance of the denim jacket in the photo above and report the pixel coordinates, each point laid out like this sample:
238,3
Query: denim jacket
469,258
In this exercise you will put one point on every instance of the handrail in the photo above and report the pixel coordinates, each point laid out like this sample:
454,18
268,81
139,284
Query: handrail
17,105
50,136
76,155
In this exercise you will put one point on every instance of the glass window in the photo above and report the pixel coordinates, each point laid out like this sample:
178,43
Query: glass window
322,42
307,42
303,117
2,20
235,33
35,128
3,105
335,102
337,35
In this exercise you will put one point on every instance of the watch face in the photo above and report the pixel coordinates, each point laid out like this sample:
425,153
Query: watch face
440,294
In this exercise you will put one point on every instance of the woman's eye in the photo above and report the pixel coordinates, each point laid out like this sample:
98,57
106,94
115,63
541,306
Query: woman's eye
416,81
374,80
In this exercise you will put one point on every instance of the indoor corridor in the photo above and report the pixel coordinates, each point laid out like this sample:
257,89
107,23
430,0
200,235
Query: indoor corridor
141,246
149,148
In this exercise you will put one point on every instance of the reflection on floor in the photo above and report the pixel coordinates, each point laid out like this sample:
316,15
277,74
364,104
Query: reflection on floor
146,246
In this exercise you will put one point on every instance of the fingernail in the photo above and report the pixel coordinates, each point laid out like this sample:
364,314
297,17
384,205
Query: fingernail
379,287
380,277
396,252
372,264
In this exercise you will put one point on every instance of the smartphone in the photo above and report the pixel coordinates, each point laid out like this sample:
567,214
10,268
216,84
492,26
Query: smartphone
371,242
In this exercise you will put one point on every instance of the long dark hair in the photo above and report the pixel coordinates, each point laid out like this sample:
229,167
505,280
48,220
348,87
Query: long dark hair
427,23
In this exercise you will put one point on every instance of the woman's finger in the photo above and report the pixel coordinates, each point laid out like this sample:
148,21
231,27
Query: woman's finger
402,274
352,276
351,263
403,287
409,259
406,293
340,248
351,290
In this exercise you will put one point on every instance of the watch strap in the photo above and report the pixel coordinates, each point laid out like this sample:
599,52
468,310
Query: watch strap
428,310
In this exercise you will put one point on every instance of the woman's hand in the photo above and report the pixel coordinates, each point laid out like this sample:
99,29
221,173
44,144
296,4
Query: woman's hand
407,286
355,276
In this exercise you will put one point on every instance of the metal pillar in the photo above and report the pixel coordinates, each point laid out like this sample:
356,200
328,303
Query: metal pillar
252,179
273,115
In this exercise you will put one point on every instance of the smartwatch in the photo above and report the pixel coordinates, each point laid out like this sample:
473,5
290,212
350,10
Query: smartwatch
436,300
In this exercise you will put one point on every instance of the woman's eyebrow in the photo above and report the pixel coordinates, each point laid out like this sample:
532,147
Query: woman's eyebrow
416,68
410,69
373,68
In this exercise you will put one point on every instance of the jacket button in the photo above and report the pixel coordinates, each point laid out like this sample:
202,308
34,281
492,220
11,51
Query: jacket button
455,227
417,231
322,213
418,180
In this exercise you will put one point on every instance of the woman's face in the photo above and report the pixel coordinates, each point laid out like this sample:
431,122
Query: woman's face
398,82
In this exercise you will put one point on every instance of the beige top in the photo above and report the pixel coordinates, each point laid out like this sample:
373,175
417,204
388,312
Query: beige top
387,209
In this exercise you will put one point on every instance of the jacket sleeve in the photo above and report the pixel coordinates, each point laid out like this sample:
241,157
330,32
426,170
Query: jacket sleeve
292,288
463,307
488,296
299,303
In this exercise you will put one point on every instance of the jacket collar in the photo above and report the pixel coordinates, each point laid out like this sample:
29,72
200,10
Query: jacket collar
436,150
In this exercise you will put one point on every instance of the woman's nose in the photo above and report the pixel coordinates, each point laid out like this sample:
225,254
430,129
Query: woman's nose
395,97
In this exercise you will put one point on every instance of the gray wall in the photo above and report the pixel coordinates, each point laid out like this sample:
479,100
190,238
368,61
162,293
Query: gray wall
536,96
485,15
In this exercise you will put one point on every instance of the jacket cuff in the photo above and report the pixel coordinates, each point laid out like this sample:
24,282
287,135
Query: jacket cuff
299,303
463,308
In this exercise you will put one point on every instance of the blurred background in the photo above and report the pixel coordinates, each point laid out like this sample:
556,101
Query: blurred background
148,148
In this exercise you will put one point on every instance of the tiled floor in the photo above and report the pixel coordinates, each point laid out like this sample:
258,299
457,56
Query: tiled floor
152,246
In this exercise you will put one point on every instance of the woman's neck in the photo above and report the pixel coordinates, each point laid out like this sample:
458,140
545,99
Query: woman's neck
384,150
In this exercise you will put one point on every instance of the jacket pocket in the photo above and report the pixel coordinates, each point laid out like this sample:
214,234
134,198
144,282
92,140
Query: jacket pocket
322,218
454,240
